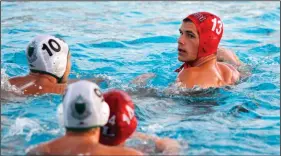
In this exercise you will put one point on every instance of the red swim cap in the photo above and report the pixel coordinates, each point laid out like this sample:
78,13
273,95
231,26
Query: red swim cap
122,121
210,30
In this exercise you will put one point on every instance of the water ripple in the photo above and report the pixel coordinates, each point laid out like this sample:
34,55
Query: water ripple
241,41
264,86
265,49
155,39
257,30
108,45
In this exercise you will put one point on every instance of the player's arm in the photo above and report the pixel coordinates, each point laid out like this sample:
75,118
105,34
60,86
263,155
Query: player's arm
163,145
228,56
141,80
97,80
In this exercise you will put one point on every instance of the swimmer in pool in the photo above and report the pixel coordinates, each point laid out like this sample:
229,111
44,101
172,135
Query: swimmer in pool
49,63
200,34
85,112
122,124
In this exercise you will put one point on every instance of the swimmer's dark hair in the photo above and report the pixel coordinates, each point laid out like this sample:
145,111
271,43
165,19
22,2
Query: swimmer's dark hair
186,20
68,129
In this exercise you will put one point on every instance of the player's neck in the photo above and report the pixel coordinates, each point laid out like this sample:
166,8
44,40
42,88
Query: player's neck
44,76
93,134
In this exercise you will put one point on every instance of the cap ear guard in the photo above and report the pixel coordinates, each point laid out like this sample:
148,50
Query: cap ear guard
83,106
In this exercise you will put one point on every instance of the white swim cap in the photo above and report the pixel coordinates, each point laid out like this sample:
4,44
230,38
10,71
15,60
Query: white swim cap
84,106
47,54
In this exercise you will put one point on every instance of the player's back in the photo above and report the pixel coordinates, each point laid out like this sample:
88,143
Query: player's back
71,145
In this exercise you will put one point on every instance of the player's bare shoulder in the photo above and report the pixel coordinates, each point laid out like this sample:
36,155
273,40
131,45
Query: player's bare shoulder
229,72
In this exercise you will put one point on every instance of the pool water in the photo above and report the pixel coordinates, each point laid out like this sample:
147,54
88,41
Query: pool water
121,40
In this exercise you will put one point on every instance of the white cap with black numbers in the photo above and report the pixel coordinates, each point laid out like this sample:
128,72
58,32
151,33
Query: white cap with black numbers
46,53
84,106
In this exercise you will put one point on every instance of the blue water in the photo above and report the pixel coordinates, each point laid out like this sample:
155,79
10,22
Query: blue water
121,40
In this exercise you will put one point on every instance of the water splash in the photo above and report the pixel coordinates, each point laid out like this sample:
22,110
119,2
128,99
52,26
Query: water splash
9,92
